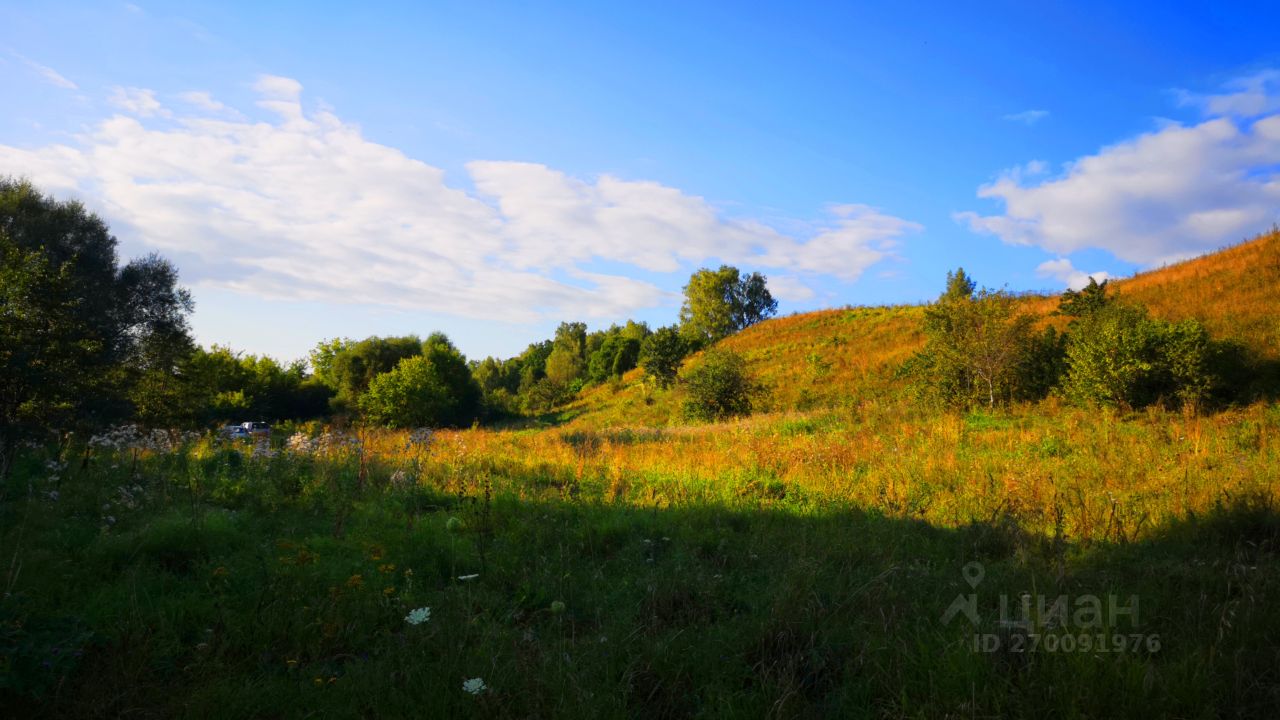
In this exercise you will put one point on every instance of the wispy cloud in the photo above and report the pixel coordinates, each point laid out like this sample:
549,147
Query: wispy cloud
51,76
297,204
204,101
137,101
1168,194
1248,96
1027,117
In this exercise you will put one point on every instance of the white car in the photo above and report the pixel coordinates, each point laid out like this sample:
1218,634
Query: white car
256,428
235,432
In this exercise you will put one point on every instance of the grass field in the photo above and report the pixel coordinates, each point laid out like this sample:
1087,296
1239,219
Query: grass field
842,553
788,565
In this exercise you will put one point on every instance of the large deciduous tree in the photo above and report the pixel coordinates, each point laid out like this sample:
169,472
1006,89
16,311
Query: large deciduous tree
718,303
79,333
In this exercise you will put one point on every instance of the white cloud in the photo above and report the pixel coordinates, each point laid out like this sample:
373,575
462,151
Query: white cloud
51,76
205,101
1248,96
1027,117
1166,195
301,206
789,288
1062,270
137,101
859,237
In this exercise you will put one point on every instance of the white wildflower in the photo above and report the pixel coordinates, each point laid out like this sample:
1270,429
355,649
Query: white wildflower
475,686
419,616
465,578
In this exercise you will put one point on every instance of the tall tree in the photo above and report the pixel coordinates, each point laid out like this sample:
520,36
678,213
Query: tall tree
718,303
77,330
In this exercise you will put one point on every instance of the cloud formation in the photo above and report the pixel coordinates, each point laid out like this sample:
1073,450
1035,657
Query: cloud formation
298,205
1063,271
137,101
1027,117
1176,192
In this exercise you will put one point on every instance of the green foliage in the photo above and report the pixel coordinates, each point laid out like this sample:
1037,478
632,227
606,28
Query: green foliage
719,386
323,356
959,287
718,303
353,367
1084,302
433,389
81,337
615,355
661,355
980,349
233,387
1119,355
568,359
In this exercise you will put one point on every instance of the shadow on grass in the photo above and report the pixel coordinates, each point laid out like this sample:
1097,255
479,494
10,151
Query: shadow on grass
595,609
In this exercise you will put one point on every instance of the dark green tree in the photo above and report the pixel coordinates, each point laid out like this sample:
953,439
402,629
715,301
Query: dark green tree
1083,302
719,386
77,330
661,355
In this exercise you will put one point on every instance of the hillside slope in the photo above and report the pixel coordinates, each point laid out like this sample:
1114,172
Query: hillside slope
833,357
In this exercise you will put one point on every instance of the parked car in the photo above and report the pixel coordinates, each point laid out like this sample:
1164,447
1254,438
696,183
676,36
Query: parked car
256,428
235,432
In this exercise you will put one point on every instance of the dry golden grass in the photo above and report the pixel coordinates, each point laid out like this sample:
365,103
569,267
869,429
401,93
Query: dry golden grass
832,358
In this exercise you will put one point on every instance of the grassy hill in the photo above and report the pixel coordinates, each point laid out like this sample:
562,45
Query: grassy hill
832,358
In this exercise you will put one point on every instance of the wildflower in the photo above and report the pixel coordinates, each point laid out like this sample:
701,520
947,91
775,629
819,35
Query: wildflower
465,578
319,682
475,686
53,495
389,590
387,568
557,607
355,581
291,664
220,571
419,616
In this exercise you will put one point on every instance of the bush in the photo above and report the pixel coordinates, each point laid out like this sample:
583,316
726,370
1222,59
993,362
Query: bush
980,350
720,387
432,389
1119,355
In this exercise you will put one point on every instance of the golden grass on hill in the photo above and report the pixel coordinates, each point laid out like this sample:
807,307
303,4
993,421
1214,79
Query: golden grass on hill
831,358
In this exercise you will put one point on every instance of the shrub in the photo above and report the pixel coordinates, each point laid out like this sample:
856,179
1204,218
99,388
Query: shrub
980,348
432,389
720,387
1119,355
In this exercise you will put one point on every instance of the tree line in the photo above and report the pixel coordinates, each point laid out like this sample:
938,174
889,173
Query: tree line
86,341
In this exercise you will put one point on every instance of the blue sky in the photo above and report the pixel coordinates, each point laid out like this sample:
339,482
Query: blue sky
322,170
